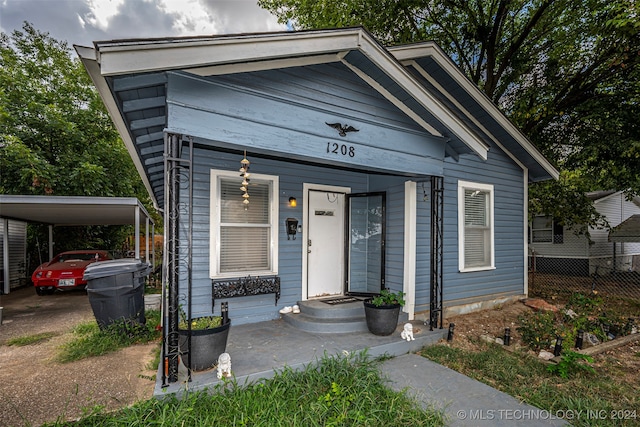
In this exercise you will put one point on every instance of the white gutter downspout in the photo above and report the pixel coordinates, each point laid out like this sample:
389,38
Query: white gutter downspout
409,280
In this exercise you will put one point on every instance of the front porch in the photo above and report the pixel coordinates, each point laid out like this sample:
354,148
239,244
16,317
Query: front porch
259,349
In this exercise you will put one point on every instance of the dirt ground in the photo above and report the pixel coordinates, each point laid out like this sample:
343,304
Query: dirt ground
35,389
622,362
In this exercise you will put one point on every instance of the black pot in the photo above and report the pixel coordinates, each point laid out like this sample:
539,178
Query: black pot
381,320
206,346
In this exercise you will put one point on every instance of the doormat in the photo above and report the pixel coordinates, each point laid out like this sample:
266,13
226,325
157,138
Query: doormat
339,300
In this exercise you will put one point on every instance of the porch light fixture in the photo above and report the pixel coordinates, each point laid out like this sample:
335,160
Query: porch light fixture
293,202
244,173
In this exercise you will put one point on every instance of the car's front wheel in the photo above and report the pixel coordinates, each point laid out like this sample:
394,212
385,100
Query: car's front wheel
42,290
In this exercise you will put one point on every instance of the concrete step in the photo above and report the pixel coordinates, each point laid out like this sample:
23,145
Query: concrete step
319,317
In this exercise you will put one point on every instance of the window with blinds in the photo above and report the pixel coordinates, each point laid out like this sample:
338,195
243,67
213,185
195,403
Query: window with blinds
476,234
544,229
243,236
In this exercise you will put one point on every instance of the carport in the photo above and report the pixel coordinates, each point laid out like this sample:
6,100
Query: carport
74,211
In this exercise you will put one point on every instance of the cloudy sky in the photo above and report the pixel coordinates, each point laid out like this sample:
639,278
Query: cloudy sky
84,21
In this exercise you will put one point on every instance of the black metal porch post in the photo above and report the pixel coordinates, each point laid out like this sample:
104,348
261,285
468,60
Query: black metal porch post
436,312
171,218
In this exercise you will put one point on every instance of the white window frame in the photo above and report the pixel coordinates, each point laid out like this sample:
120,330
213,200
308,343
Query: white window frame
467,185
535,231
214,217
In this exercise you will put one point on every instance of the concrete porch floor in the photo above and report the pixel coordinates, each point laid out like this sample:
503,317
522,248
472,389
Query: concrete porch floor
259,349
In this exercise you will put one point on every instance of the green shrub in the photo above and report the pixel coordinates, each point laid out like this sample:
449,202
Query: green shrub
538,330
570,363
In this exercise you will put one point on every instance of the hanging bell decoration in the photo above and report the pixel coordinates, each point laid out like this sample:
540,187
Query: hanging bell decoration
244,173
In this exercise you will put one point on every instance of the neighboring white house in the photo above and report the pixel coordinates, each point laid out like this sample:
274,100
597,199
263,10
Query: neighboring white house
557,249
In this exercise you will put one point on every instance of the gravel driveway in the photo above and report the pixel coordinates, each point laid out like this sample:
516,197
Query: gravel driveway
35,389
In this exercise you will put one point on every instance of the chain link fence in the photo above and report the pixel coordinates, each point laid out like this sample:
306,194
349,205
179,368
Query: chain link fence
605,268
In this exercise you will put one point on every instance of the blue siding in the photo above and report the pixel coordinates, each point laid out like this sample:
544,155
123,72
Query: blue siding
275,112
279,115
508,276
291,177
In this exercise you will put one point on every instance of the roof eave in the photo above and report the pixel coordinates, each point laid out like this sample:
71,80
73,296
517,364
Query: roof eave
88,56
431,49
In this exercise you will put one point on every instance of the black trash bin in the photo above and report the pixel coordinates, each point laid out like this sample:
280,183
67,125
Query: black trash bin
116,290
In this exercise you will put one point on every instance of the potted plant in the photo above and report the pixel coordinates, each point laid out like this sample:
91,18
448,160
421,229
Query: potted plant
382,311
208,340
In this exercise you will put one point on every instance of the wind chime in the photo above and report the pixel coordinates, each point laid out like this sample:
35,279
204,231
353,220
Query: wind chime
244,173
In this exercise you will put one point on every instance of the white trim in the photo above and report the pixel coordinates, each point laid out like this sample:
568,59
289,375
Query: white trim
142,55
395,101
431,49
466,185
455,102
217,70
405,80
525,221
305,224
214,223
409,279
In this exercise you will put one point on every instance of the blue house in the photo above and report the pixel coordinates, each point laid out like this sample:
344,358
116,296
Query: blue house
303,165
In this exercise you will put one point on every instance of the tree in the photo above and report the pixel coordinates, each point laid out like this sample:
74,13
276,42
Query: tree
56,137
564,71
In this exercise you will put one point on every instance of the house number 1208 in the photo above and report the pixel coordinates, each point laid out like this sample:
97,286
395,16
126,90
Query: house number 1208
345,150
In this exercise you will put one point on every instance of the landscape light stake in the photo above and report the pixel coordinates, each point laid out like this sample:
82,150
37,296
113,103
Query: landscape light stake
507,336
450,333
557,350
579,339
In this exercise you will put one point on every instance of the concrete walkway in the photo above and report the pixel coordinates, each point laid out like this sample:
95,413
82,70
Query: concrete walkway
258,350
465,401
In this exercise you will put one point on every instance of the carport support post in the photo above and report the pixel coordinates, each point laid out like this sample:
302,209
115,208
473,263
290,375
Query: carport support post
5,255
137,231
50,242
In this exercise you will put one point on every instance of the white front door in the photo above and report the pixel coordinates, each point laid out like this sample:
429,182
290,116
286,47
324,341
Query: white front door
325,243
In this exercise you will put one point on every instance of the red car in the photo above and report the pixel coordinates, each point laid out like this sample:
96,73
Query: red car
65,270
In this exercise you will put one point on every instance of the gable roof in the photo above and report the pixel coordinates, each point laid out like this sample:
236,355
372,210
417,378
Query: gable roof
131,77
439,73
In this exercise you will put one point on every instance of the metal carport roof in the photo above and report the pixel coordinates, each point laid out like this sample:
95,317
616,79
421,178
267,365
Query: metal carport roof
73,211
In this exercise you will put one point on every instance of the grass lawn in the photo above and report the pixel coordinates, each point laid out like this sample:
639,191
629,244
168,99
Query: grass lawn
337,391
599,398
